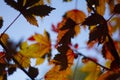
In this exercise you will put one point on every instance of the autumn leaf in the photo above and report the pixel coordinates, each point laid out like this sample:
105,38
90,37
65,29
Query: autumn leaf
39,49
2,57
4,38
1,22
117,9
116,25
94,19
92,69
64,60
24,61
108,75
54,73
29,10
109,50
99,33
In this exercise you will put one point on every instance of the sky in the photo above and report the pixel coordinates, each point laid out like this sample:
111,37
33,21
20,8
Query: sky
21,29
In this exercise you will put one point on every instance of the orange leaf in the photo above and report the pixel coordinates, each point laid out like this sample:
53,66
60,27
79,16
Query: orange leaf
55,74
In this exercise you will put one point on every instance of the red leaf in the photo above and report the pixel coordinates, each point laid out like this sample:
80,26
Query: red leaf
31,38
54,28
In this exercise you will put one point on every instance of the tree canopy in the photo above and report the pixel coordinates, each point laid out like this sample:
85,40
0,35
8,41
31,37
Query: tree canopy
65,58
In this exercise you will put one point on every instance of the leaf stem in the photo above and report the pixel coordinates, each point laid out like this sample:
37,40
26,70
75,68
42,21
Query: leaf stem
92,60
16,62
110,17
10,25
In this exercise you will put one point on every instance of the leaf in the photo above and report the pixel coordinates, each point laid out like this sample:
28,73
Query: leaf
54,73
11,70
92,69
40,10
66,32
33,72
2,58
117,9
98,33
94,19
110,75
116,25
1,22
101,8
110,47
29,10
39,61
24,61
76,15
64,60
4,38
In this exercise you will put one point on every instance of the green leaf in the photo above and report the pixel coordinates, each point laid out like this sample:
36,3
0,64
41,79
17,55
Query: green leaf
1,22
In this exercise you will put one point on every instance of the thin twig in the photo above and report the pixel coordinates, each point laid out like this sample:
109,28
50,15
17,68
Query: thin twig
9,25
12,57
92,60
110,17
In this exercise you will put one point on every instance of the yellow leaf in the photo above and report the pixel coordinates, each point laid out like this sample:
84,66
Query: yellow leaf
92,69
23,60
39,61
4,38
101,7
55,74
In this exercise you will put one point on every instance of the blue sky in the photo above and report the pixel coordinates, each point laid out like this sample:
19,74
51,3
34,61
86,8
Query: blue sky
21,29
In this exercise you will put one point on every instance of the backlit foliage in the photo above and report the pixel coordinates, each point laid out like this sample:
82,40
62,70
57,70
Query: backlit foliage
39,46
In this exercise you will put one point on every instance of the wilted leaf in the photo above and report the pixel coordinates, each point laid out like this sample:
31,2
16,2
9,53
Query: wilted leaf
33,72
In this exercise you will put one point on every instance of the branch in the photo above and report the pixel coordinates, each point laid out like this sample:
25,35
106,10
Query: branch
12,57
92,60
9,25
